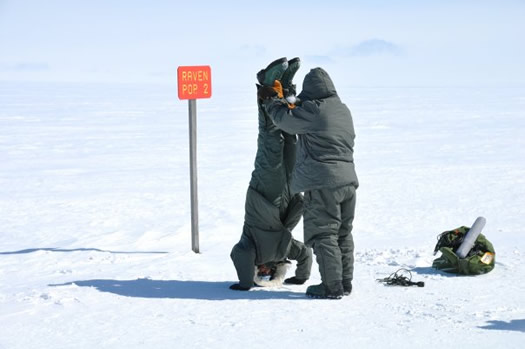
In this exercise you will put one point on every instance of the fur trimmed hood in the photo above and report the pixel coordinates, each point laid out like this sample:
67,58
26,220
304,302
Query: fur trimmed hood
277,277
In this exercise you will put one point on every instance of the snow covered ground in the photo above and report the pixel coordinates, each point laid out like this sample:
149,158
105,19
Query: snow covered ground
95,245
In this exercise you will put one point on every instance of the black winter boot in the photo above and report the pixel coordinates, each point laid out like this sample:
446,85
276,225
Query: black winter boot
274,71
293,67
334,291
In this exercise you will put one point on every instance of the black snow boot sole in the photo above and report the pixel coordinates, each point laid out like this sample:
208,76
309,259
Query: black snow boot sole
315,296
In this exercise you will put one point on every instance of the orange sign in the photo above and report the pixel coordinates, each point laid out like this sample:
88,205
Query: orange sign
194,82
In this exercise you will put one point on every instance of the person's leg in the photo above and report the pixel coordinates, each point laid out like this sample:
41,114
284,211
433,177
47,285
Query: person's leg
322,220
346,241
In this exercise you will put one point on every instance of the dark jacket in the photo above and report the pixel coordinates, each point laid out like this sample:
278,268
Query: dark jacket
271,211
326,134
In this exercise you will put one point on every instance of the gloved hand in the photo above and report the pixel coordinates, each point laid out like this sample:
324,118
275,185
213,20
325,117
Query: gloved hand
290,98
294,281
238,287
278,87
265,92
290,92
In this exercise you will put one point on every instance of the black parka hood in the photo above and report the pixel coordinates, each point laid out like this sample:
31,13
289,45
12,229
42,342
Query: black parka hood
317,84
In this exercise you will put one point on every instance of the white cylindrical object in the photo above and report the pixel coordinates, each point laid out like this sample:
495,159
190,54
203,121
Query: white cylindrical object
470,238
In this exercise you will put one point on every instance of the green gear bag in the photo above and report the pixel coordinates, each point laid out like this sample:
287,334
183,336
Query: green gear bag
480,260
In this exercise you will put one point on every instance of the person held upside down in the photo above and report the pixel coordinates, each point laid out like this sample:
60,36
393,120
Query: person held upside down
261,257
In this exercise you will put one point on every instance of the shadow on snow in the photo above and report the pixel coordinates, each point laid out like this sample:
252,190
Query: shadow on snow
513,325
205,290
52,249
431,271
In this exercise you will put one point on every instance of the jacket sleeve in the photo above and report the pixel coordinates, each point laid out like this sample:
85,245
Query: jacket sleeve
294,212
243,257
298,120
303,255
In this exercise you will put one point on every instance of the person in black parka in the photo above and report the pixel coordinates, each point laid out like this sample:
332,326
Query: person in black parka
271,210
325,172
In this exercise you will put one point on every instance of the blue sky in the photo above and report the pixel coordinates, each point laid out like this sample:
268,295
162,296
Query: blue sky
361,43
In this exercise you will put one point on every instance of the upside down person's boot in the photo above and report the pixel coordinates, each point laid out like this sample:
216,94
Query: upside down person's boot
274,71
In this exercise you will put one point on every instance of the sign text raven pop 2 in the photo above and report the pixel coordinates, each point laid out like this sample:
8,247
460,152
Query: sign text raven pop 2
194,82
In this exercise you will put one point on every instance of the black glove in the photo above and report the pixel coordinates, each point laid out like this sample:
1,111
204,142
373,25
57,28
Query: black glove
238,287
294,281
266,92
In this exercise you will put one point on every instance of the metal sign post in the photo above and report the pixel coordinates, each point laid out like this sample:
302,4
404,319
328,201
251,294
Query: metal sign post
192,107
194,82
